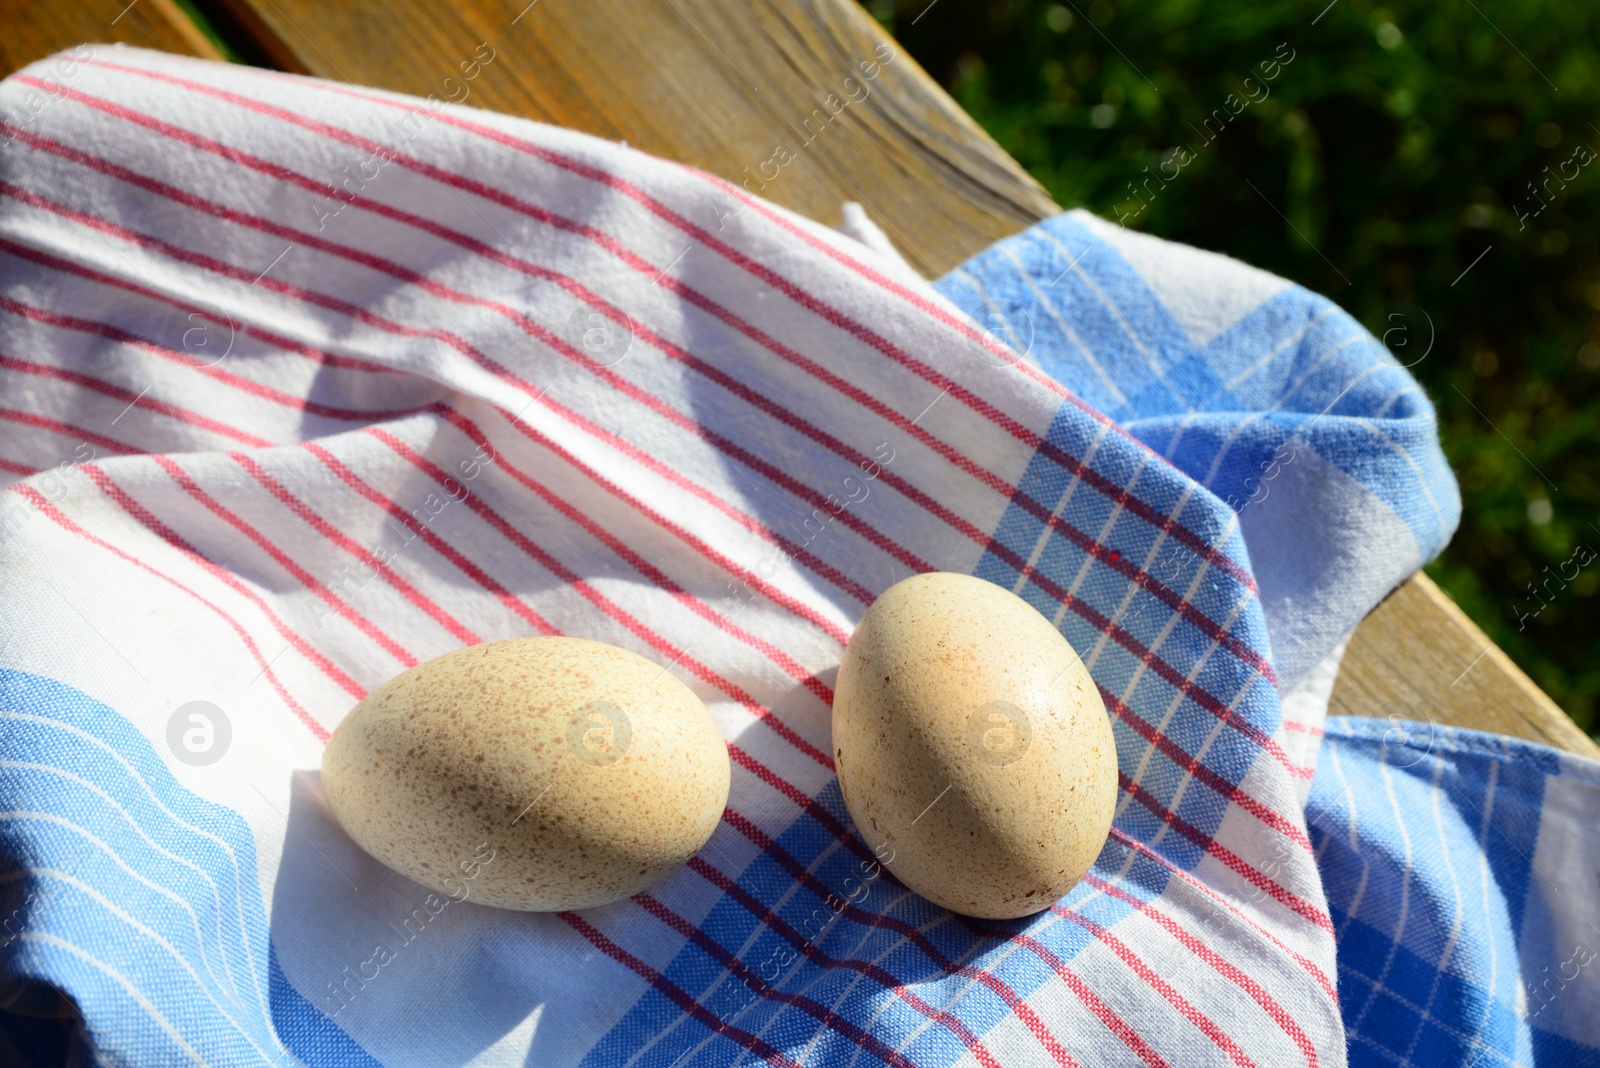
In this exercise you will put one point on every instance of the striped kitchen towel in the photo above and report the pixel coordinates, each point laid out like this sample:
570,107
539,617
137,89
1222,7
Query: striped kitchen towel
1461,870
1463,876
305,384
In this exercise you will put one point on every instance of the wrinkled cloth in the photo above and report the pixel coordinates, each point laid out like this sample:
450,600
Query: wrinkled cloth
1461,869
305,384
1463,877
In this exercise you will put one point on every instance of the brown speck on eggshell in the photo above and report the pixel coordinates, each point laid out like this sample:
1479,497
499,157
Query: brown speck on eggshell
984,759
585,771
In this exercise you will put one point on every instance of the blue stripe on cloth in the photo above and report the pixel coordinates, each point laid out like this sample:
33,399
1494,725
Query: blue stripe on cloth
1425,838
755,996
305,1029
1192,711
136,895
1074,304
1216,362
1095,319
1176,678
1149,622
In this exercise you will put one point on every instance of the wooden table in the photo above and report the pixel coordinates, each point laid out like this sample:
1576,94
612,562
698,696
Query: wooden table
718,83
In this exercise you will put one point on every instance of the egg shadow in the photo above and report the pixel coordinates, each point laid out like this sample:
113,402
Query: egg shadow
779,909
412,976
456,978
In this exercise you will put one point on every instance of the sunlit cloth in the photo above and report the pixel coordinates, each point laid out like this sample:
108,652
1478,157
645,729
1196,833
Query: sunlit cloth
1462,869
1464,878
304,384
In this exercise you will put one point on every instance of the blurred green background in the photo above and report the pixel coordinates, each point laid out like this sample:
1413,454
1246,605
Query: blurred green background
1401,141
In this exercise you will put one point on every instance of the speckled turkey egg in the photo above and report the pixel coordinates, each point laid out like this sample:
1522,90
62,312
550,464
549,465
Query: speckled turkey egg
532,773
973,749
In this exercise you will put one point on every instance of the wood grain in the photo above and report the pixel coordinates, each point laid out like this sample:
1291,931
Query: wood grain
721,84
33,29
1419,656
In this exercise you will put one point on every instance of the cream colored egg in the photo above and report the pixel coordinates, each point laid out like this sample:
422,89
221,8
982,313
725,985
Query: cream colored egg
531,773
973,749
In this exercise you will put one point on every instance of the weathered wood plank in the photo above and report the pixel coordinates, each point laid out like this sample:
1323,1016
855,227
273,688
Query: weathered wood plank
33,29
718,85
1419,656
722,85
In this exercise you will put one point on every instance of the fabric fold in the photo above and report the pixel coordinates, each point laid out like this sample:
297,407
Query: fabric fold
271,436
1268,395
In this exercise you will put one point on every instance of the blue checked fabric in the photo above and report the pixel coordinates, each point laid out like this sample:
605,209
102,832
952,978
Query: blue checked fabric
1463,880
1460,868
305,384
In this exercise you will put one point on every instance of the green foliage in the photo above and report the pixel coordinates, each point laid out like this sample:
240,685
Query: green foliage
1398,144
